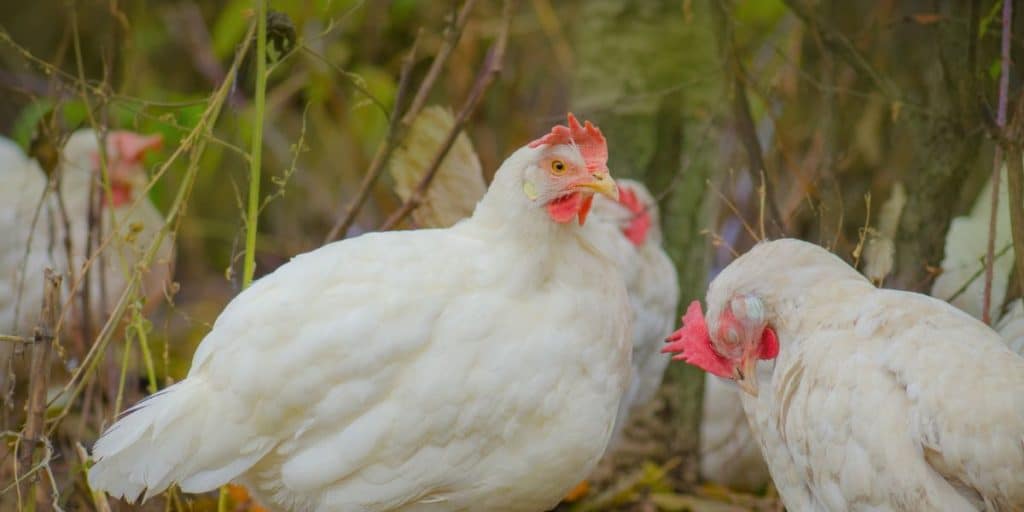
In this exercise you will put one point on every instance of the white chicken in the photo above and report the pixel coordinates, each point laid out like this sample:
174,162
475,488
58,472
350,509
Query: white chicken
730,455
478,367
631,234
35,246
1011,326
961,281
12,158
872,399
627,230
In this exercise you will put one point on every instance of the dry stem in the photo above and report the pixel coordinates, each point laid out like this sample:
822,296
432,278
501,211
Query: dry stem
39,372
1004,85
382,155
491,68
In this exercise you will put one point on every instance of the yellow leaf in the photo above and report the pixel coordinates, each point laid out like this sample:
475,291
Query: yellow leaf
459,182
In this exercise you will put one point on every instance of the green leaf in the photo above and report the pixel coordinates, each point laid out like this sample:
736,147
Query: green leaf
26,120
987,20
995,69
760,13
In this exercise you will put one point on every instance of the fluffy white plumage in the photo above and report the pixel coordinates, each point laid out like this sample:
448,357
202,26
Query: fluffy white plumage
650,277
730,455
651,281
1011,326
78,168
478,367
878,399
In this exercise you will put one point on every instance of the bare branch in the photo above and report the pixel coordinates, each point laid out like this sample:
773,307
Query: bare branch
745,121
39,371
451,39
383,154
843,47
491,68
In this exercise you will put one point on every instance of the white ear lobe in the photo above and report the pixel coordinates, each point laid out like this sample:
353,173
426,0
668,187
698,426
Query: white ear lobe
747,308
530,190
755,309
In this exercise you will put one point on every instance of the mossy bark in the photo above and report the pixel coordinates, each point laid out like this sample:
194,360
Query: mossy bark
644,71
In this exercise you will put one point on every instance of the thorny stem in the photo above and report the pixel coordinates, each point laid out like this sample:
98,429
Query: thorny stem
492,66
256,151
1004,86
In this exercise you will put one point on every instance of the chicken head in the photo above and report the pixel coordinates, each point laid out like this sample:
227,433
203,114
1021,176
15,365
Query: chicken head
741,339
571,169
124,153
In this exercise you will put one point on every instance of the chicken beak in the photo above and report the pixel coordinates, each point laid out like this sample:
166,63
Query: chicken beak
602,183
746,378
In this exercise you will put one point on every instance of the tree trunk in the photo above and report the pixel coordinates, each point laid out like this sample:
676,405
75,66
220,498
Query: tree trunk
640,66
948,143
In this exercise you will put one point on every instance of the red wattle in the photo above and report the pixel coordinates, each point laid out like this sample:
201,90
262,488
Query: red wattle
769,347
120,194
585,209
638,226
564,209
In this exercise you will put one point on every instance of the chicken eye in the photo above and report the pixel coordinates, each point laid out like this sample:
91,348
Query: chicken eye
558,167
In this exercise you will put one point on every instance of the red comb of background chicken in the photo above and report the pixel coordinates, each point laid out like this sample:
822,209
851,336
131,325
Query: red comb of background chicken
692,343
588,139
640,222
131,147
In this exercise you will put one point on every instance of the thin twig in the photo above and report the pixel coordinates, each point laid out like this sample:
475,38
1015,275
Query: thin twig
1004,86
732,207
195,144
39,369
451,39
14,339
492,66
745,126
382,155
843,47
978,273
748,134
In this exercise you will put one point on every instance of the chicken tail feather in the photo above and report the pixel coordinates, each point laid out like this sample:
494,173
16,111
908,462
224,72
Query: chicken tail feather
181,435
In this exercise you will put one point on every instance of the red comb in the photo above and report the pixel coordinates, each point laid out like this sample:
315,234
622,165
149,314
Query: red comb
131,147
692,344
640,223
588,139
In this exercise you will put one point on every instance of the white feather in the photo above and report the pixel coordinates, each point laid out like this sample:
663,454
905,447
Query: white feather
879,399
473,368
